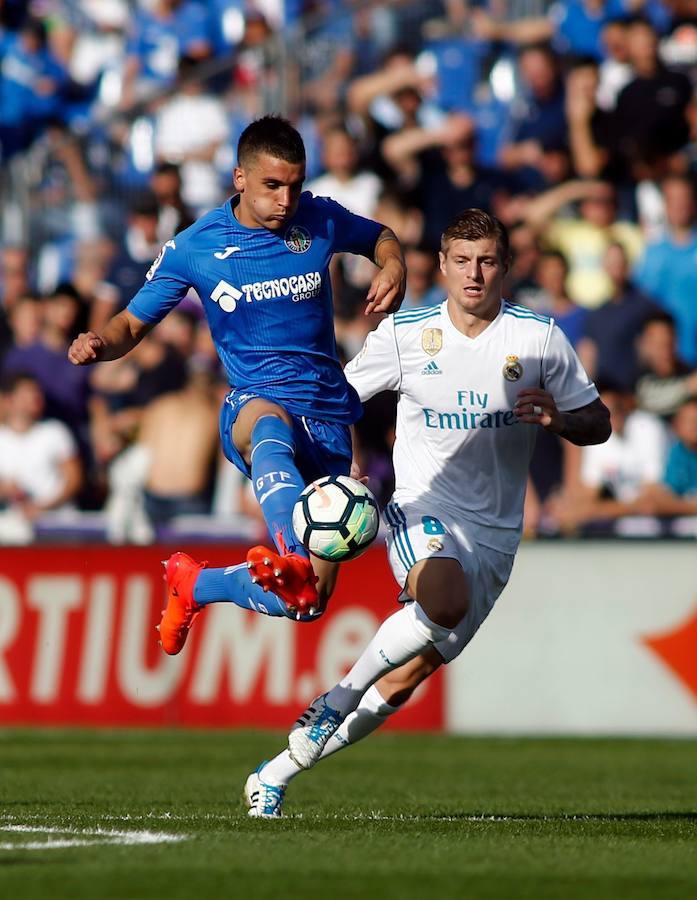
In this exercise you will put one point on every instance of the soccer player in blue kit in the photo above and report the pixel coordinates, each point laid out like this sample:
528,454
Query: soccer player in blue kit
260,265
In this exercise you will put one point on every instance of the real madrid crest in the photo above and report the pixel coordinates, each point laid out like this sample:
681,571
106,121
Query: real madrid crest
435,545
297,239
512,369
432,340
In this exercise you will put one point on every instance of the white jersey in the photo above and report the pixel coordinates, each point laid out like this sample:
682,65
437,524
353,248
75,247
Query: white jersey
33,459
458,442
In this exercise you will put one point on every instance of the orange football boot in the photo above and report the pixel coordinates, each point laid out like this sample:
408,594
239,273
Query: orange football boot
181,572
290,576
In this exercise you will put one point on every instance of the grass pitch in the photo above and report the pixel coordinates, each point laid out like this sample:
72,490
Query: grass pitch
395,817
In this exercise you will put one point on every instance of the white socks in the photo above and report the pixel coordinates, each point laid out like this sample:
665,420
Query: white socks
372,711
370,714
400,638
280,770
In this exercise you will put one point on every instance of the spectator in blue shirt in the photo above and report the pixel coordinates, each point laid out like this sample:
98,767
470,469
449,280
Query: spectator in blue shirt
573,27
552,272
681,467
676,495
537,119
668,269
31,85
607,348
157,40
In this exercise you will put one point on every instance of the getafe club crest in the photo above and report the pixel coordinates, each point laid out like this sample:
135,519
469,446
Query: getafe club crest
512,369
297,239
432,340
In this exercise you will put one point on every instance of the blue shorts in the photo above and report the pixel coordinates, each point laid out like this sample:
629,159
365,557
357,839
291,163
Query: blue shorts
321,448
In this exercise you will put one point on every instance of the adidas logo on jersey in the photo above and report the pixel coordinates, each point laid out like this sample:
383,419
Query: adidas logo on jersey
431,369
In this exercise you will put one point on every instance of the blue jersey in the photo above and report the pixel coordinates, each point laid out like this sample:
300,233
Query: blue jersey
267,297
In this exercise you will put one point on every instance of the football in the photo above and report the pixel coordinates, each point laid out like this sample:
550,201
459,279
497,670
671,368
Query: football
336,518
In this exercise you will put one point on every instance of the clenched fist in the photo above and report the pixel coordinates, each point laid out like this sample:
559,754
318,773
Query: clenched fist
84,350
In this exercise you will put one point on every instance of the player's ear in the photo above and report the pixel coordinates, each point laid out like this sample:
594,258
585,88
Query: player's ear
238,179
441,259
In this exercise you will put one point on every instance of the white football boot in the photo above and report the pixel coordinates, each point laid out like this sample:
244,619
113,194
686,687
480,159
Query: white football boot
311,732
265,801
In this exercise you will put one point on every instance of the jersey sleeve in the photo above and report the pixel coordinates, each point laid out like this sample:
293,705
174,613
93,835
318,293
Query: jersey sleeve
352,233
166,284
563,375
376,366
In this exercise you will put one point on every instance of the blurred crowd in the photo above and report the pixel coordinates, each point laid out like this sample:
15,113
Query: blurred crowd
575,123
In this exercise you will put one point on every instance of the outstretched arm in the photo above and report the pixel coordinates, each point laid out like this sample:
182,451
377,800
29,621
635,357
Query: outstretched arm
120,335
402,149
362,91
538,211
589,424
387,288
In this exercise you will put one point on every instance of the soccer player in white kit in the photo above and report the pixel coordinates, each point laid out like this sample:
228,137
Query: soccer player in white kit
476,377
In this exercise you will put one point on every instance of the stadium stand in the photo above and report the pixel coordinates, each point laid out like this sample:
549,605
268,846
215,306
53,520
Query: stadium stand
575,123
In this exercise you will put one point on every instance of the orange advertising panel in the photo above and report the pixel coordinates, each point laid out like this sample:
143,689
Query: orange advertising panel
78,645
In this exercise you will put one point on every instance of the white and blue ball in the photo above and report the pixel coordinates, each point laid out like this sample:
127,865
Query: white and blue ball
336,518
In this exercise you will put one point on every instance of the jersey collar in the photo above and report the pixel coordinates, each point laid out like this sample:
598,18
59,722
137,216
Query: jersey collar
482,338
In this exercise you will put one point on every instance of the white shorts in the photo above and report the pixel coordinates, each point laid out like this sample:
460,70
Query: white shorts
415,532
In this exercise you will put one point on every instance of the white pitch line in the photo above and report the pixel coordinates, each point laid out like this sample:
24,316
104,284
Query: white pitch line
48,845
84,837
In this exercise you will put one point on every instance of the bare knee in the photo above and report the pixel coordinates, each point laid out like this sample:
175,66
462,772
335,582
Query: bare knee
397,686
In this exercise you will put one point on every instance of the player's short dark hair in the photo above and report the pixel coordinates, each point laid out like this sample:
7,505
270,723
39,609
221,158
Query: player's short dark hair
475,225
274,136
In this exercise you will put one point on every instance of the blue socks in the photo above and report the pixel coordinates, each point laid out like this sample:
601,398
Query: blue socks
277,485
234,585
276,480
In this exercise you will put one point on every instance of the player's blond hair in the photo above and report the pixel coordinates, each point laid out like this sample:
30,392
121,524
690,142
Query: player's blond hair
474,225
